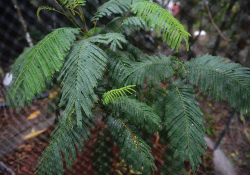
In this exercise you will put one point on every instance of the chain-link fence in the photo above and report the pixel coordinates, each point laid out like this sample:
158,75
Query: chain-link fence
217,27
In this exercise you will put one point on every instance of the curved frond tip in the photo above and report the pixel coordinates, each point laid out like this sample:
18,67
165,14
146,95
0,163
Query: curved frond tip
45,8
109,96
161,20
72,3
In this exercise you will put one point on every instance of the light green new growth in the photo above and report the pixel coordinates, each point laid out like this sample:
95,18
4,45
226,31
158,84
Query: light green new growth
160,19
109,97
72,3
45,8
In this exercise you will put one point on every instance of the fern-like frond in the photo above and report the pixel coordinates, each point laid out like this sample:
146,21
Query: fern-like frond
131,24
110,38
131,49
72,3
221,79
102,152
133,148
85,64
19,99
173,165
113,7
45,8
139,114
153,68
160,19
109,97
63,139
156,97
185,122
43,60
117,64
128,25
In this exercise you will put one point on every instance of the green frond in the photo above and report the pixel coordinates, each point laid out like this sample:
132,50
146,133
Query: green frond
157,99
173,165
128,25
72,3
85,64
19,99
152,67
131,49
185,122
131,24
113,7
160,19
44,60
109,97
63,139
45,8
102,153
117,64
221,79
133,148
140,114
92,32
110,38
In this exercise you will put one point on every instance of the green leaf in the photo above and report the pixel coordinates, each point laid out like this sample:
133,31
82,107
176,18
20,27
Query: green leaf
102,152
72,3
152,67
63,140
117,64
221,79
109,97
113,38
85,64
133,148
159,19
185,123
138,113
173,165
113,7
19,99
44,60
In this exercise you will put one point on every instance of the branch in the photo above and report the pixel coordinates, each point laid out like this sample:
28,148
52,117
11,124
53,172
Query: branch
28,38
2,165
217,28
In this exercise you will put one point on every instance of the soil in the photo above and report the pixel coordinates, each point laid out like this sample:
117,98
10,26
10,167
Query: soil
21,155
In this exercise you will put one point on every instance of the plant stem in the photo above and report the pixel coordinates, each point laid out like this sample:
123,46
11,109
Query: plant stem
76,21
28,38
120,24
77,26
83,19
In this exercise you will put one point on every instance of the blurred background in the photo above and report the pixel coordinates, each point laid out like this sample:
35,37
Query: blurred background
217,27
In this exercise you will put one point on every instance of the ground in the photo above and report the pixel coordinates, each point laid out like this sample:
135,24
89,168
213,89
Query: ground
21,155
